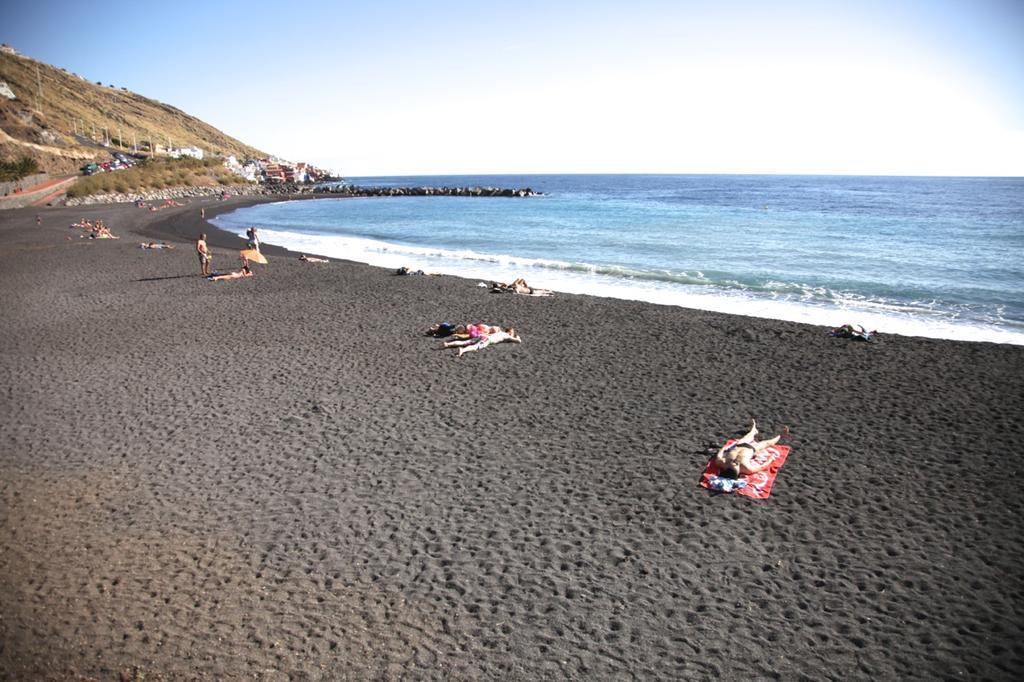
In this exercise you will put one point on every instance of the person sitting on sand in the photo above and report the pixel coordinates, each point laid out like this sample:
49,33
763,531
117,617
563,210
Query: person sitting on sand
739,458
481,341
238,274
313,259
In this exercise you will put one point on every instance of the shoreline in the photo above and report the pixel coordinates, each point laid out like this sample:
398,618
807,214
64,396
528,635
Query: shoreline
283,476
819,316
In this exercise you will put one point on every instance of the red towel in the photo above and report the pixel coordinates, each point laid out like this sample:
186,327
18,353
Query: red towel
758,485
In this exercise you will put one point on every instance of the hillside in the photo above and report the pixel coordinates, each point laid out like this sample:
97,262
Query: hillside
66,125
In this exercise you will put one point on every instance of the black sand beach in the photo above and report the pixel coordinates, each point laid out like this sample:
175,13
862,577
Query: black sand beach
282,478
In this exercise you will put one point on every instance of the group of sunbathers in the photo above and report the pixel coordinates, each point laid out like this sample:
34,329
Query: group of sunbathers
406,271
473,337
168,203
96,228
518,286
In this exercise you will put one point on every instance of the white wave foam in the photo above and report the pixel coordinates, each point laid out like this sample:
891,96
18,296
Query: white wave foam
802,306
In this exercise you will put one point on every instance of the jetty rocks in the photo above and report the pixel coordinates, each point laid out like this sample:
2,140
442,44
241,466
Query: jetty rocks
356,191
190,192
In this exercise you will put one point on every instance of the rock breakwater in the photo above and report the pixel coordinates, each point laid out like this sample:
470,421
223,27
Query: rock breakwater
189,192
356,191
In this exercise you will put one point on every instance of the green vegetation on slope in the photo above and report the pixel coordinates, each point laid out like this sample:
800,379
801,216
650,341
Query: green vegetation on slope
157,174
16,170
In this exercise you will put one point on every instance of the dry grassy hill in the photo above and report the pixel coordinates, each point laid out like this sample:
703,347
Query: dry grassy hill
67,123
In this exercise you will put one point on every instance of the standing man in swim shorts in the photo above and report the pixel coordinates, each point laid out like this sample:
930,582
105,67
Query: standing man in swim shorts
204,254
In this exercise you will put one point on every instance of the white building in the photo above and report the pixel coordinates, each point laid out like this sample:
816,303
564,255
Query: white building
194,152
250,170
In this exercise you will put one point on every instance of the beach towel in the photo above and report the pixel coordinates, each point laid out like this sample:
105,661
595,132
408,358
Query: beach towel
758,485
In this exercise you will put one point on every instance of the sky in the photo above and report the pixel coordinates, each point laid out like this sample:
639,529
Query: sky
897,87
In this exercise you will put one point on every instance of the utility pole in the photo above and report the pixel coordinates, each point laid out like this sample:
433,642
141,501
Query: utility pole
120,145
39,97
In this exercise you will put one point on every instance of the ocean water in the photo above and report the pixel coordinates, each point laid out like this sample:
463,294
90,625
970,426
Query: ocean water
937,257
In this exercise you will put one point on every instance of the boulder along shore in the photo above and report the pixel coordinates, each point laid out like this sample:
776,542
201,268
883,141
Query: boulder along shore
282,476
284,190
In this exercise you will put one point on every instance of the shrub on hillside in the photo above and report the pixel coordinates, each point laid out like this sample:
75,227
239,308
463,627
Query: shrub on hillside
154,174
16,170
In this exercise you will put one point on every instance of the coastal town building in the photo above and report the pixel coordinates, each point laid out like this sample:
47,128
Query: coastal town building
193,152
250,170
275,171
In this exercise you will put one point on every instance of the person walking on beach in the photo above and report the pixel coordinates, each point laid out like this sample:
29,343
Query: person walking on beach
202,213
204,254
254,240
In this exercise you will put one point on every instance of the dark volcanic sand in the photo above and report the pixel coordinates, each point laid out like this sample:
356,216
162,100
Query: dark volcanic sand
281,477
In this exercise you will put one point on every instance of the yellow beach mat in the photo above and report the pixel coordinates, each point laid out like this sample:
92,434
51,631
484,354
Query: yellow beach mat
253,255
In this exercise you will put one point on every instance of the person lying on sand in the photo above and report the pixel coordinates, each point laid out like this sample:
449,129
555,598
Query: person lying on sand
444,329
853,331
156,245
465,331
475,343
738,459
313,259
238,274
518,286
406,271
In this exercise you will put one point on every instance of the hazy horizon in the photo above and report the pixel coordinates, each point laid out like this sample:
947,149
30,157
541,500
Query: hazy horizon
873,88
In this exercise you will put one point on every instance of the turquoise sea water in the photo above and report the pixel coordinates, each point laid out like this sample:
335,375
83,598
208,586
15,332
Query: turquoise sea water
937,257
